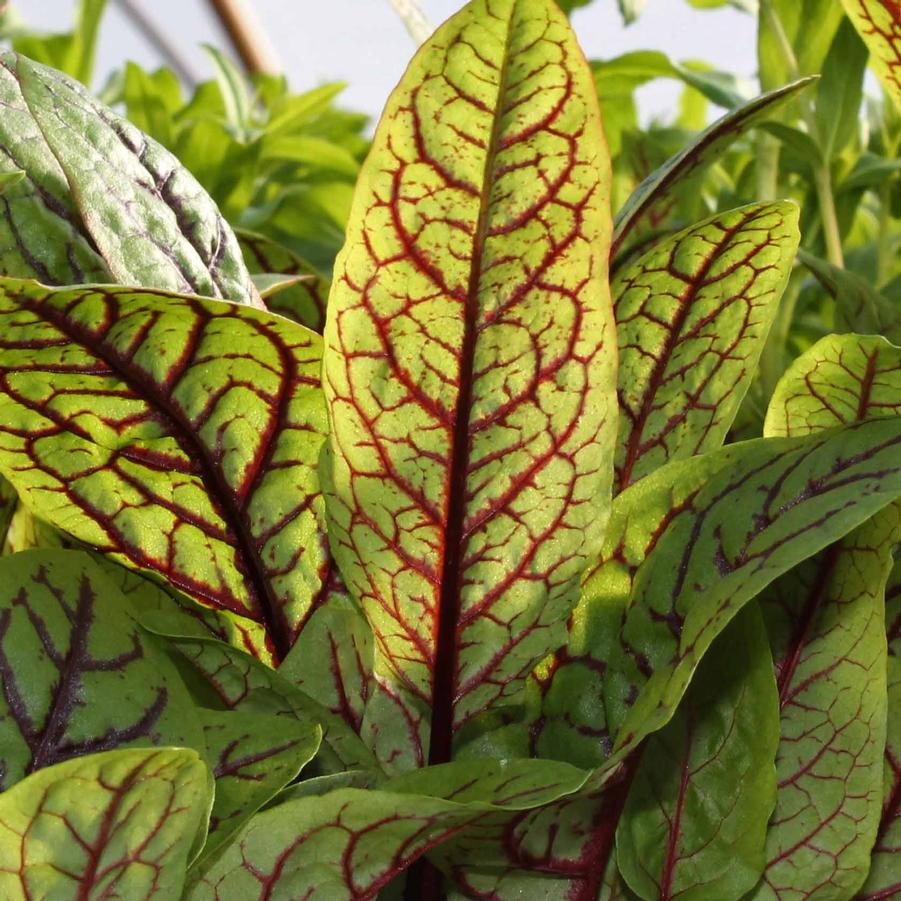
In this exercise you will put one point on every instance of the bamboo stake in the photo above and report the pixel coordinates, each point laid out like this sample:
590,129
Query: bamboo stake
248,36
414,19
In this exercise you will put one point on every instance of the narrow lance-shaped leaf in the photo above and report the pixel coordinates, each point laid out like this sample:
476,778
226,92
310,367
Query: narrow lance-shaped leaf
826,624
884,878
41,234
150,219
350,844
177,434
77,674
470,362
115,825
692,316
695,819
796,497
660,184
879,24
304,302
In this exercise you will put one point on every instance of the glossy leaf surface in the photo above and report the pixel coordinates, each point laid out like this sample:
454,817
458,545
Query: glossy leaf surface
179,435
695,820
151,221
692,316
77,674
879,24
470,363
118,824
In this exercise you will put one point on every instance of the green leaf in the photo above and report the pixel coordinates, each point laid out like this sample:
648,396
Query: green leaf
796,497
708,146
78,674
118,824
879,24
841,379
840,91
631,9
351,843
692,316
695,819
41,233
859,306
252,757
152,100
305,302
469,366
177,434
235,91
152,222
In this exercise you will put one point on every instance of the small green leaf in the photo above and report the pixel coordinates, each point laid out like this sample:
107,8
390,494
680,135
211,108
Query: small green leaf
840,91
631,9
235,91
115,825
695,819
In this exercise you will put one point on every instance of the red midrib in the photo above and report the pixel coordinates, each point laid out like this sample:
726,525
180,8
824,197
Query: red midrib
444,679
672,845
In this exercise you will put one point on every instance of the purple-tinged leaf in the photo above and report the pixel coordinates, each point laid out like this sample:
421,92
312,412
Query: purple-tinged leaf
695,820
659,185
303,302
469,367
120,824
179,435
692,315
151,221
77,674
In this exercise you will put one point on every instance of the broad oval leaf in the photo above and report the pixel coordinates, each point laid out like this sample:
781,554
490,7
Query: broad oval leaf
879,24
177,434
695,819
150,220
707,147
77,674
469,364
117,824
841,379
692,315
350,843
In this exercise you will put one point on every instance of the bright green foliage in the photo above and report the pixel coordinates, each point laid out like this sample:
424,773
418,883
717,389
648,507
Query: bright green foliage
692,315
118,824
695,830
879,24
184,442
78,674
151,221
471,418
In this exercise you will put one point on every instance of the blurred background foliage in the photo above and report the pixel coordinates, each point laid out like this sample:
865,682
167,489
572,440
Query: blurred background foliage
282,163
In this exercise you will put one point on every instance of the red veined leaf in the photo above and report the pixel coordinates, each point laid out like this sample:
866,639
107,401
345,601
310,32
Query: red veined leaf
469,366
879,24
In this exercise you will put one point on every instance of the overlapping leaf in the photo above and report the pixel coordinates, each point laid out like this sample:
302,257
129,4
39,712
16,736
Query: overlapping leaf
304,302
695,819
350,843
177,434
692,316
659,186
146,216
879,24
470,362
117,824
77,675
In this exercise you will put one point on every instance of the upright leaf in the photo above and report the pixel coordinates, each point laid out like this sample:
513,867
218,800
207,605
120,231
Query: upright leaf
695,819
113,825
152,222
469,366
77,674
879,24
706,148
177,434
692,316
